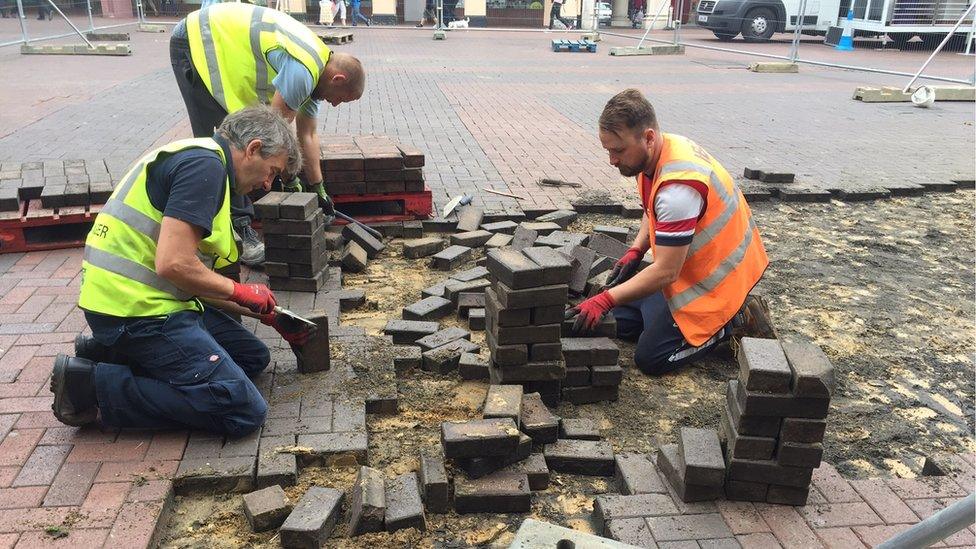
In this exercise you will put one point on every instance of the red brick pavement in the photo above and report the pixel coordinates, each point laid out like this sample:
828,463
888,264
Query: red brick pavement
106,487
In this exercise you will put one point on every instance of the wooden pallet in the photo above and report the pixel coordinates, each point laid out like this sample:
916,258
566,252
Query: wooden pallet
574,45
33,227
336,37
416,205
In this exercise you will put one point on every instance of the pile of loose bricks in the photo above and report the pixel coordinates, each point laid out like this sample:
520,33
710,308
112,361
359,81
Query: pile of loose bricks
296,243
774,420
370,164
57,183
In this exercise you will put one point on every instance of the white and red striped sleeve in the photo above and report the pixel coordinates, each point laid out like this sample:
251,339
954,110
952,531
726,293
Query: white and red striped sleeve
678,206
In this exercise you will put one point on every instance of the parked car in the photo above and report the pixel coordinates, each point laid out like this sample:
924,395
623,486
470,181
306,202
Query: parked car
603,13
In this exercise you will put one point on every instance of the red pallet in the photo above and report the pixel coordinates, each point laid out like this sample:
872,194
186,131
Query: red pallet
414,205
33,227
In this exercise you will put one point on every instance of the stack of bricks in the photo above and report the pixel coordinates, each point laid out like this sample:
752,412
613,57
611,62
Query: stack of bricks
694,467
296,251
370,165
524,310
774,420
593,372
57,183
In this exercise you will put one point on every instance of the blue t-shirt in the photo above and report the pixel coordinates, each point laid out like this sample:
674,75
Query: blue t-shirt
188,186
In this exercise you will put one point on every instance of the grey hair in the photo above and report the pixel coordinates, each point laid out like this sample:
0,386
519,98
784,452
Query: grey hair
275,133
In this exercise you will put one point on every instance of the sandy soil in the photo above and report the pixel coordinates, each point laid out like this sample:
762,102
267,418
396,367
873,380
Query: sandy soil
886,288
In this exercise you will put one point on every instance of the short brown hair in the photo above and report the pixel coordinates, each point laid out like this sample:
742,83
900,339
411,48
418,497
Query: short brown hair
629,110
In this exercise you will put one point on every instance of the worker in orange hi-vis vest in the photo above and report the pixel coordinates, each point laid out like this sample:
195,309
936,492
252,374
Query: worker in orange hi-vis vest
707,253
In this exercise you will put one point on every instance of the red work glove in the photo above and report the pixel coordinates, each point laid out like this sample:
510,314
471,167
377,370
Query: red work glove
625,267
293,333
590,312
256,297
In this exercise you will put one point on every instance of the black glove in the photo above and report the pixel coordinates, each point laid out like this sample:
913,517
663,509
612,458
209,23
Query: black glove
328,208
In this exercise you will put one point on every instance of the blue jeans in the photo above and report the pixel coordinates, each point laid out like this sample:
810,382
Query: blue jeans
660,346
184,370
356,14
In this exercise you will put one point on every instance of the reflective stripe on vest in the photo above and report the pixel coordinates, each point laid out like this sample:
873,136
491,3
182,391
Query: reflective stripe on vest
725,258
267,29
119,276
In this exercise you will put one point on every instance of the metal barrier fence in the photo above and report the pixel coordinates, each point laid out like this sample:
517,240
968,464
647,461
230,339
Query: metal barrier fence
27,21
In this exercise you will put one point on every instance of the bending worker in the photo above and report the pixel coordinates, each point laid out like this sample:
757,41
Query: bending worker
162,352
229,56
707,250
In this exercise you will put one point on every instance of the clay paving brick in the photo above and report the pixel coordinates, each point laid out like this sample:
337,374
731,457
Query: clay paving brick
514,269
428,308
833,486
503,316
671,463
618,233
503,401
481,466
579,351
813,374
556,269
802,430
612,507
496,493
409,331
469,218
523,237
780,405
537,421
479,437
743,446
579,428
528,372
472,366
404,508
266,508
583,457
763,366
71,484
636,474
798,454
406,358
442,337
742,517
500,227
830,515
630,530
688,527
749,425
368,502
42,466
450,257
471,239
470,274
535,469
313,519
925,487
422,247
788,526
759,540
768,471
740,490
787,495
445,358
25,496
435,486
368,242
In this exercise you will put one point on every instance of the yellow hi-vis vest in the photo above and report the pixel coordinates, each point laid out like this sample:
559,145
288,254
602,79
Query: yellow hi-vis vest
119,267
229,45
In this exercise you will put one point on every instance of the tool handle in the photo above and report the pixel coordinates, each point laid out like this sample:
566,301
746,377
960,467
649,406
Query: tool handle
368,229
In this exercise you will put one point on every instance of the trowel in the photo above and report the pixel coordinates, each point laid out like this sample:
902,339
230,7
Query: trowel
294,317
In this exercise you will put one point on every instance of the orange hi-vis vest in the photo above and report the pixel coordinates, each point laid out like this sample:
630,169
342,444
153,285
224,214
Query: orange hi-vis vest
726,257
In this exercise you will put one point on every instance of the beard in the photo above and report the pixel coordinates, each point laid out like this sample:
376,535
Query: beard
629,170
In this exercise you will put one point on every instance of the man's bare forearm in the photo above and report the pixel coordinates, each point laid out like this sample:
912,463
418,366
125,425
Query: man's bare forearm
643,240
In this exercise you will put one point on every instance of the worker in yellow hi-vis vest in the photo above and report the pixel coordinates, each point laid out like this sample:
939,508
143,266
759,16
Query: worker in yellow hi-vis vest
228,56
163,353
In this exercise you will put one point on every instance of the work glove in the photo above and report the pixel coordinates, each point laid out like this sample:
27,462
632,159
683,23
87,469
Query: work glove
590,312
625,267
293,186
295,333
328,208
255,297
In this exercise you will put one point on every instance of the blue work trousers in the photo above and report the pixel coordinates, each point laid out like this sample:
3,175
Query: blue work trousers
660,346
185,370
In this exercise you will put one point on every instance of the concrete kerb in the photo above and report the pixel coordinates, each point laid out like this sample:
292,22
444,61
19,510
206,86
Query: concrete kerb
76,49
869,94
774,67
656,49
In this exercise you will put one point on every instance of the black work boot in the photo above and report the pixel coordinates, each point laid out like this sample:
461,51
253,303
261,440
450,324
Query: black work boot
753,320
73,385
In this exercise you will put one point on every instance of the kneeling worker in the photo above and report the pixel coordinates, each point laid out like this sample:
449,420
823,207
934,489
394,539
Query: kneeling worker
162,353
707,250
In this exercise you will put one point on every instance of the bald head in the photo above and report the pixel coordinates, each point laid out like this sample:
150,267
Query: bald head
343,80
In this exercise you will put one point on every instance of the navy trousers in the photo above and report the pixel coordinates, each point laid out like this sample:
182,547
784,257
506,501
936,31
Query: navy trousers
660,346
183,370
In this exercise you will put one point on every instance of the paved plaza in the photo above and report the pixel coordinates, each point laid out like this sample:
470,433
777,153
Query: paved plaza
490,109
